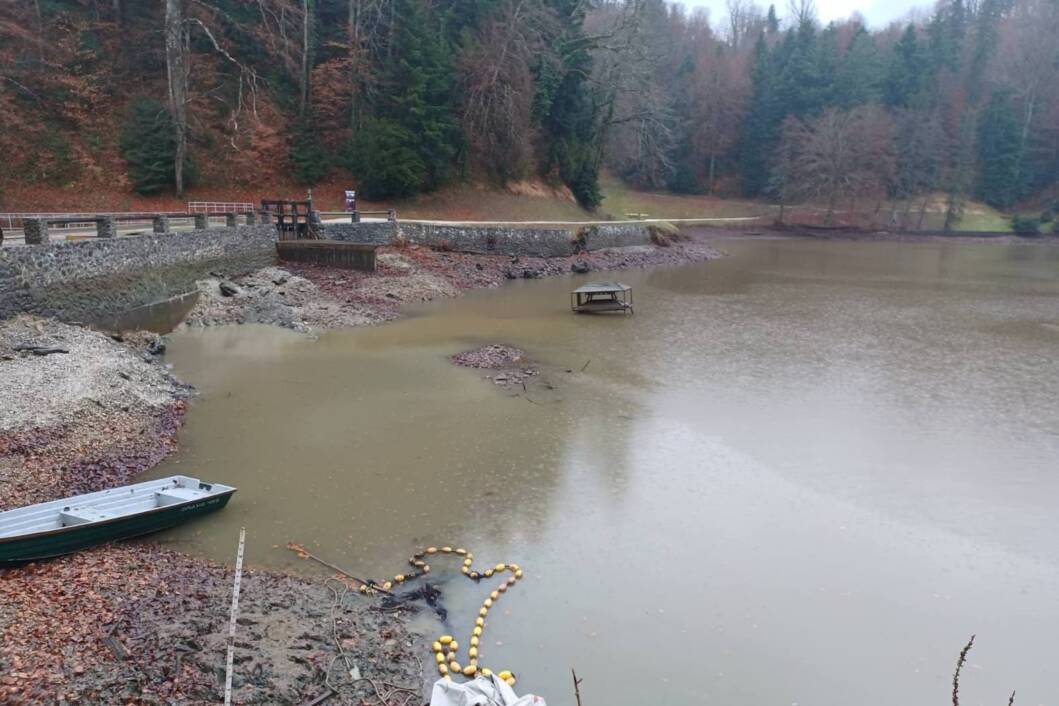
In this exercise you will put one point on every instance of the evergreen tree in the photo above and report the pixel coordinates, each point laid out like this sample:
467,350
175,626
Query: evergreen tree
568,113
999,152
772,22
858,77
417,138
309,159
760,128
907,72
385,161
148,147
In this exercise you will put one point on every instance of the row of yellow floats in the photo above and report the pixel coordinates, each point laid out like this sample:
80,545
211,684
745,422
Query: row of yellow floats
445,648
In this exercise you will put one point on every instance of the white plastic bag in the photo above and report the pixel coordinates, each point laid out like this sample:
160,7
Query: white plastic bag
483,691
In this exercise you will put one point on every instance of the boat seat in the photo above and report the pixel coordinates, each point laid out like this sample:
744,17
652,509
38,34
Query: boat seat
81,516
172,496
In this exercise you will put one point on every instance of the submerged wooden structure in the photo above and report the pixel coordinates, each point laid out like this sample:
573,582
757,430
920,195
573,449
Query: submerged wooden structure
63,526
332,253
300,230
602,297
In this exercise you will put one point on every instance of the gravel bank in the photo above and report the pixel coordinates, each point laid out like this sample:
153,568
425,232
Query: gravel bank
307,298
81,412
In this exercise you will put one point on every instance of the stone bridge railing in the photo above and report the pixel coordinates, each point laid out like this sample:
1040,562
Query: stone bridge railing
37,229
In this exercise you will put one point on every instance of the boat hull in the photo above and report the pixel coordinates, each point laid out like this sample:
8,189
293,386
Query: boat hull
43,545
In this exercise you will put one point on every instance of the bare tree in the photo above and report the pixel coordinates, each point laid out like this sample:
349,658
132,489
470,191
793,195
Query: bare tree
177,67
745,19
801,12
1029,55
497,82
840,154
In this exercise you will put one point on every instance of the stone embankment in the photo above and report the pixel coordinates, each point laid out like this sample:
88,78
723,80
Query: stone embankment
309,298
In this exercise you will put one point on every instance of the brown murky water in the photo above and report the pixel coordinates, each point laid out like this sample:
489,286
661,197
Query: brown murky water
803,474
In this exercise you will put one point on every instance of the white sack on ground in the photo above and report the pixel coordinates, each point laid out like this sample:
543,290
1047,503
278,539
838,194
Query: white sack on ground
483,691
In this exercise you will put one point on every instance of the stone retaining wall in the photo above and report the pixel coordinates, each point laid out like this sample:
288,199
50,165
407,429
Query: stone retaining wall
500,240
88,279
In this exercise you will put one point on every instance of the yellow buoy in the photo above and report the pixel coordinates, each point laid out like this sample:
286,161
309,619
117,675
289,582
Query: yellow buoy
454,646
510,681
511,580
486,671
445,639
502,587
472,652
455,667
474,641
387,585
426,568
487,573
505,675
488,603
477,632
464,569
436,646
439,658
399,578
447,550
443,668
469,670
480,622
432,550
483,611
363,588
500,567
460,550
518,574
494,595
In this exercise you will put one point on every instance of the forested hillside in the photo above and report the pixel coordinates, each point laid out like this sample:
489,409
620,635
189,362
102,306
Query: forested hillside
404,96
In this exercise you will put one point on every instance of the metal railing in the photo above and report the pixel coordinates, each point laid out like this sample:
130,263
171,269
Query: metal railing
219,207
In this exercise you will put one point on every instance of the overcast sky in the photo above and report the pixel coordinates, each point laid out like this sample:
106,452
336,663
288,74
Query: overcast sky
879,13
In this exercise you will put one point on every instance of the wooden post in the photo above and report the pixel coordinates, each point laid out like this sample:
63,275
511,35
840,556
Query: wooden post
232,617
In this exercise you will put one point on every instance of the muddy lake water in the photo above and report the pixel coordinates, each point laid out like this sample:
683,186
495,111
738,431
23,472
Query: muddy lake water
802,474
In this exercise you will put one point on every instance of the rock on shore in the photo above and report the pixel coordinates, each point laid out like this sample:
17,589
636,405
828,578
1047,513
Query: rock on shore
308,298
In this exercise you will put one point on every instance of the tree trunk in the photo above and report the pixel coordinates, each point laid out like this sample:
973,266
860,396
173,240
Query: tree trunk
304,103
176,61
922,213
713,165
354,55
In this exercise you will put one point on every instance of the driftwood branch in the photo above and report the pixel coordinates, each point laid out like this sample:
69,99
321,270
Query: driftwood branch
577,686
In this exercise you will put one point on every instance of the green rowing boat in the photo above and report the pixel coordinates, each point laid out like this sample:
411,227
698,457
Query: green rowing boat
63,526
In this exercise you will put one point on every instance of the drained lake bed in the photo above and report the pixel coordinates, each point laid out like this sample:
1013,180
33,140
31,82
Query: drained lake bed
802,474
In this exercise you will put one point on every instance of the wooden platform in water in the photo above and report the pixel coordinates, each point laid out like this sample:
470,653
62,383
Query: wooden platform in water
333,253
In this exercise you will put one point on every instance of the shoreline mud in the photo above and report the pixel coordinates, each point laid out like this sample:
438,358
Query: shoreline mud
144,624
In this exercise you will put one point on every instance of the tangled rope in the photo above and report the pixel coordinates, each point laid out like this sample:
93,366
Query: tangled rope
445,648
